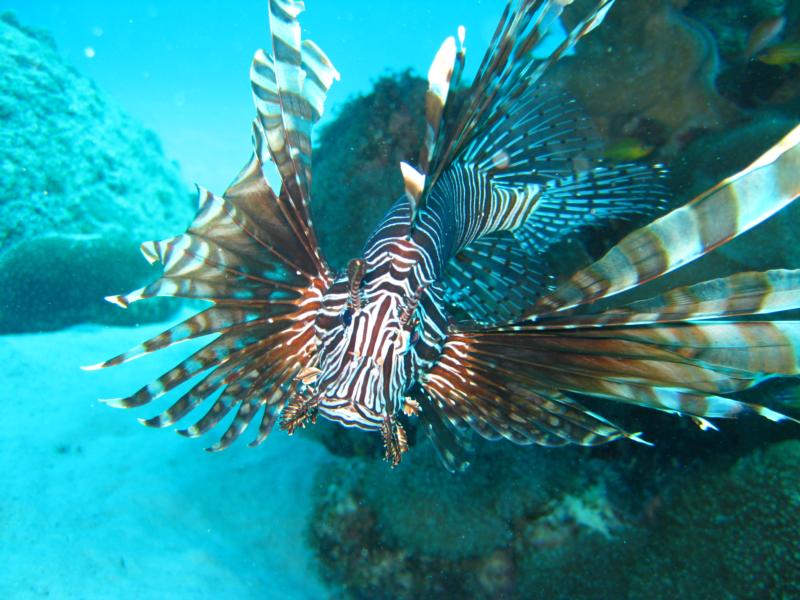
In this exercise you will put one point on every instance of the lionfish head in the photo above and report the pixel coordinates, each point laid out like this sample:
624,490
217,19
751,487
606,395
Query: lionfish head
365,363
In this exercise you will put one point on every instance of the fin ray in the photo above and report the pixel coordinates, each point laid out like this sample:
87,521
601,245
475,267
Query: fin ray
716,216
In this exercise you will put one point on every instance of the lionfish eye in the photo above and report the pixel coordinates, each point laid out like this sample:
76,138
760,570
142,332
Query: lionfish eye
347,316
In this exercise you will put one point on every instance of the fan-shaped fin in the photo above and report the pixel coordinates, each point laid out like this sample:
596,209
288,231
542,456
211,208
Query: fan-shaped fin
716,216
543,135
498,277
495,279
452,440
289,91
254,254
682,402
494,379
506,73
749,293
756,348
510,402
212,320
678,356
529,163
592,197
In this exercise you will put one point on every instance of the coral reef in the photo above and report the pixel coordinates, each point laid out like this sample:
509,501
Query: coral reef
648,73
419,532
356,163
81,185
732,22
562,524
728,534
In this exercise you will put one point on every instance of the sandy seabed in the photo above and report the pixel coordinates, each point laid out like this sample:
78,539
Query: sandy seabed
93,505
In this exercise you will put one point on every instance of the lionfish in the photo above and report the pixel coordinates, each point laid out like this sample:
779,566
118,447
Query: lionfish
499,182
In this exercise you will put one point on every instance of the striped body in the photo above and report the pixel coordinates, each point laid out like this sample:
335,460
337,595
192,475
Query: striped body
371,359
457,313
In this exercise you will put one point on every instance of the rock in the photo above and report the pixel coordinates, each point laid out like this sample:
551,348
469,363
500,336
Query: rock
40,290
418,531
81,186
648,72
532,523
357,162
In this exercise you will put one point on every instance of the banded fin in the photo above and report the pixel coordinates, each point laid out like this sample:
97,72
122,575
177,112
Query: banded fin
499,276
715,217
709,357
414,183
289,93
247,254
210,321
440,75
543,135
684,403
753,349
243,247
319,77
474,393
444,72
591,198
685,369
742,294
527,162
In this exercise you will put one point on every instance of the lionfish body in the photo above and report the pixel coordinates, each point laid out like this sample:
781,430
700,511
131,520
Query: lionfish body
496,185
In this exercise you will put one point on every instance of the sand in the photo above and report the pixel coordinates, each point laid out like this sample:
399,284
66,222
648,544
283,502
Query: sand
93,505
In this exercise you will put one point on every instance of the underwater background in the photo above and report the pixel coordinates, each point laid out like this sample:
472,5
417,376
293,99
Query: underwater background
111,111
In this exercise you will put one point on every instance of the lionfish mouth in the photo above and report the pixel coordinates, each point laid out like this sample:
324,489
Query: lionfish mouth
350,414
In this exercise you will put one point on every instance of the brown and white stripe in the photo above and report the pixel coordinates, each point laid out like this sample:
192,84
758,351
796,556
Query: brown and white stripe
716,216
742,294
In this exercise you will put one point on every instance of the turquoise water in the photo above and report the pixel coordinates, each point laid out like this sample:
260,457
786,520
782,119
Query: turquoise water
102,140
182,68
